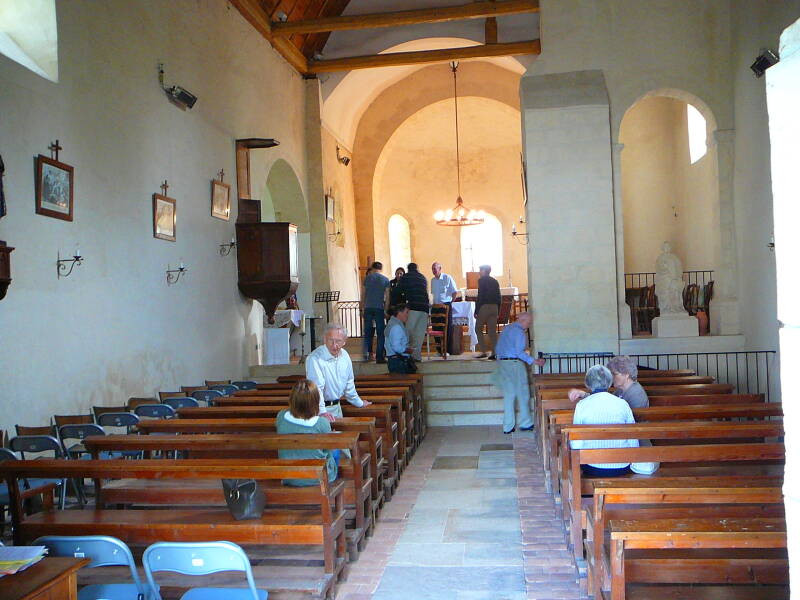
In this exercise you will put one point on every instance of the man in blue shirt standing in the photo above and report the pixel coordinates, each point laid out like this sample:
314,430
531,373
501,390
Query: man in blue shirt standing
374,294
511,374
443,291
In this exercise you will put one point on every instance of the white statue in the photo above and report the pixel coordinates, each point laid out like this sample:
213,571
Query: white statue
669,282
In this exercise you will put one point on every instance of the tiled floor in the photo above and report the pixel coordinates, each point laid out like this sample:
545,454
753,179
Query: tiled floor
471,520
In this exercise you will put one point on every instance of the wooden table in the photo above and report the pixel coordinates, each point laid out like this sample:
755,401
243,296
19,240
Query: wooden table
49,579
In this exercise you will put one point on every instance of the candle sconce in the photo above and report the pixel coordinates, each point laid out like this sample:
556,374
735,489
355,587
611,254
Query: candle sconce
225,249
522,238
334,236
64,266
174,275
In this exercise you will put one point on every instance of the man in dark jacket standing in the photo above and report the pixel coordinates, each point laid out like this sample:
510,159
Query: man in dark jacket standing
486,310
414,286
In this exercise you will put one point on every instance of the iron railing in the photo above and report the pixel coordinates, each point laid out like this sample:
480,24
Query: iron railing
640,280
349,316
751,372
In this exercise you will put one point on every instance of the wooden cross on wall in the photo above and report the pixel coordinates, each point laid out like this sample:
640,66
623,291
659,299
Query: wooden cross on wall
164,187
54,149
221,175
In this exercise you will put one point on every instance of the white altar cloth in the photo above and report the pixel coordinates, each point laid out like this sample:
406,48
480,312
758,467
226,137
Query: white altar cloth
463,313
284,317
506,291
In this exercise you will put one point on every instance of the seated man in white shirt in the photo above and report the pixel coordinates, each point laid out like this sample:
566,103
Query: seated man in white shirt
330,367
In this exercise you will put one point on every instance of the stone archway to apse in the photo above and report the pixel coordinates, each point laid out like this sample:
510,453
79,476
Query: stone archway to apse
669,189
395,105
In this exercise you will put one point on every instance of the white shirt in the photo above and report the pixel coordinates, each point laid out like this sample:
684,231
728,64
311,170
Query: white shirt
443,288
603,408
333,376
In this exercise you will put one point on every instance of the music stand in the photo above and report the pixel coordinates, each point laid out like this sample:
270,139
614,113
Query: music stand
327,298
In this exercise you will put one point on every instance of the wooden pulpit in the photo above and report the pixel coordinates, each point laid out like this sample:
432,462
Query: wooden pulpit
268,262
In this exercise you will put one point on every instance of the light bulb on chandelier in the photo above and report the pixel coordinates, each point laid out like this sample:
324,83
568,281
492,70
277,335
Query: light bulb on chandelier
460,215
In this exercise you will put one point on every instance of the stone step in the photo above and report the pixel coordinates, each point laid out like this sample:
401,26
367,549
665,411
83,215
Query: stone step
482,378
464,405
461,391
465,418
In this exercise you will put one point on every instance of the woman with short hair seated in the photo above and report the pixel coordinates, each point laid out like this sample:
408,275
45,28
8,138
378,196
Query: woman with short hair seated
601,408
625,372
302,416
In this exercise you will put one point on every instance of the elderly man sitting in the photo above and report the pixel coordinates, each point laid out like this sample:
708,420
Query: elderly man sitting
625,372
601,408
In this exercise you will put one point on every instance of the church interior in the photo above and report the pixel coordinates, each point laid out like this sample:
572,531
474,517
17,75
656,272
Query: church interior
201,188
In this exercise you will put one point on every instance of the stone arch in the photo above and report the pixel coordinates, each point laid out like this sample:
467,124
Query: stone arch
402,100
285,193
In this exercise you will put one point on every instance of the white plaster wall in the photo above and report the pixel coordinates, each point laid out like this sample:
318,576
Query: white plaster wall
571,257
114,328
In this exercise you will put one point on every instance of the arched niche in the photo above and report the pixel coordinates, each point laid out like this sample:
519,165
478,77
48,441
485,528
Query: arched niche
283,196
416,173
665,195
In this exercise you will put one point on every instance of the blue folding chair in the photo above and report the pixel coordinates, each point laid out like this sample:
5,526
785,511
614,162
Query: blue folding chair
245,385
207,396
103,551
78,432
44,443
155,411
202,558
179,402
226,389
29,484
121,419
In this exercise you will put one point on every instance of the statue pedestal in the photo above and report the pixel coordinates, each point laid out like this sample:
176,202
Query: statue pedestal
670,326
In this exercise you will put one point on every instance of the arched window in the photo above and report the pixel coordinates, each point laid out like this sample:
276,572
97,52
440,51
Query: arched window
482,245
399,242
696,125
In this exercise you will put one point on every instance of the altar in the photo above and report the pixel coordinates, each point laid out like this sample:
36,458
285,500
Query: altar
463,313
468,293
283,338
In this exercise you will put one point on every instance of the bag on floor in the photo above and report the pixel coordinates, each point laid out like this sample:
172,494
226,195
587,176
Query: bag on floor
244,497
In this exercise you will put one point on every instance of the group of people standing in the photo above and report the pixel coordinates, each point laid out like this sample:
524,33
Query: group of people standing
407,299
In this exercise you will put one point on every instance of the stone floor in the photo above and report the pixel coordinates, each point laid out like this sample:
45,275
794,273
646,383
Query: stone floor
471,520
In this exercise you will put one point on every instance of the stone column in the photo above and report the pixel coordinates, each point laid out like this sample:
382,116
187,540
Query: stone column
623,310
572,265
724,309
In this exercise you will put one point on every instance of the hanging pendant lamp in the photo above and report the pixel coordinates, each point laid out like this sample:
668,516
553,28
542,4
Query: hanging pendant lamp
460,215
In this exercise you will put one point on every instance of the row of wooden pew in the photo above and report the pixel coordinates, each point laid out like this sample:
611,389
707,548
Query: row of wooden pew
306,536
709,523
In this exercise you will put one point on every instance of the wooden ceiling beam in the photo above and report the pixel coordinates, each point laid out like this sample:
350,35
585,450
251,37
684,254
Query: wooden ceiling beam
474,10
394,59
258,18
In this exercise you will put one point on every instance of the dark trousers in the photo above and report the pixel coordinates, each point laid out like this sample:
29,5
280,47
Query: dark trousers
590,471
374,321
401,364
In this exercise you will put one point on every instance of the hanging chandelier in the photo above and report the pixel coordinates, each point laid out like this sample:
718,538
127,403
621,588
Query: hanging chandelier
460,215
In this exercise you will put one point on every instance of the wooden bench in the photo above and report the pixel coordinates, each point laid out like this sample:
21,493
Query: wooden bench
371,439
642,373
716,459
660,390
644,381
733,497
322,526
354,473
693,534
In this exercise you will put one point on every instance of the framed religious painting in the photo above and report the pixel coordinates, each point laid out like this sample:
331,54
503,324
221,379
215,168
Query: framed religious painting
163,217
54,188
220,200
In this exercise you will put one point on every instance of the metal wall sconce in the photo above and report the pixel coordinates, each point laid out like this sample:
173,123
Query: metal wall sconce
64,266
225,249
522,238
173,275
342,159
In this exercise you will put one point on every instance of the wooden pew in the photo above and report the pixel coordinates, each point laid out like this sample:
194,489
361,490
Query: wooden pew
322,526
657,390
642,373
716,459
384,423
644,381
353,472
692,535
706,432
370,436
681,498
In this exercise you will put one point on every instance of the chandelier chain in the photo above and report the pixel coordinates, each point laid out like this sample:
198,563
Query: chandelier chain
454,67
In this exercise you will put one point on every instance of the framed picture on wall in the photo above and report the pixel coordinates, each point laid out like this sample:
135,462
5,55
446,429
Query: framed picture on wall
54,183
163,217
220,200
330,207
